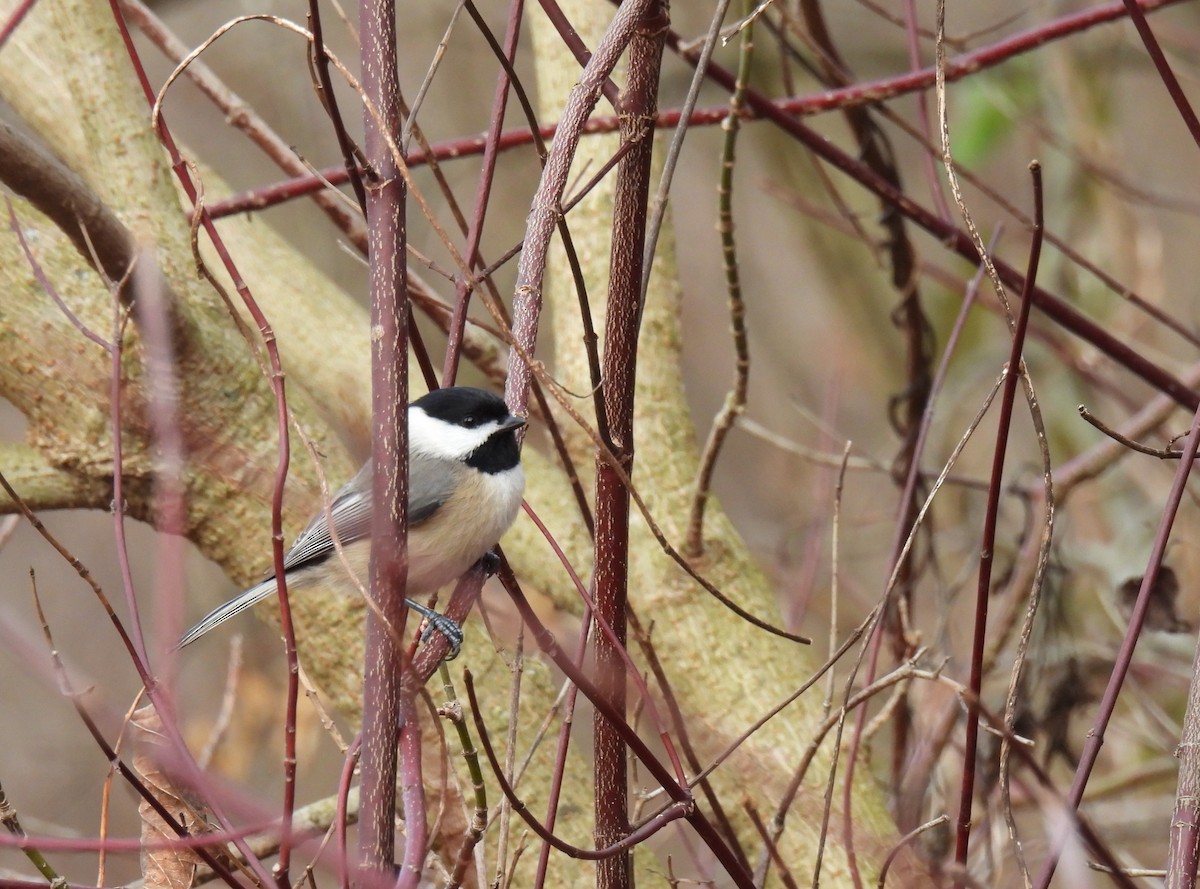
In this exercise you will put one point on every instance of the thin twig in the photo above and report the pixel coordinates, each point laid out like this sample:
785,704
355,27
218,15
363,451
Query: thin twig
483,188
735,399
188,184
869,626
439,53
1167,453
114,759
559,769
233,672
905,841
242,116
47,286
453,711
658,206
610,634
771,845
696,817
516,668
11,822
1170,81
673,812
860,93
991,517
320,61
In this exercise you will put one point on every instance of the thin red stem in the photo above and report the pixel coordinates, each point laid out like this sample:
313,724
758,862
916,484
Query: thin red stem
704,828
483,190
15,18
320,60
343,795
1137,617
655,717
991,517
184,176
1170,81
868,92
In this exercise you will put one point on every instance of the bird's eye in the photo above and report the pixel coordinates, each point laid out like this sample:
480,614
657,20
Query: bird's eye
470,421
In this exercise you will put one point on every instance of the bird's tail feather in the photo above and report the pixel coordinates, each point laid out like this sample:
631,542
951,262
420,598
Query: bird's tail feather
234,606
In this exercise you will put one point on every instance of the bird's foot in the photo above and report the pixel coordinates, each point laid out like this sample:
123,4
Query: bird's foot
490,563
439,623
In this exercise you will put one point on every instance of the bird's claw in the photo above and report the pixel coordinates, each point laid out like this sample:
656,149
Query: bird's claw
439,623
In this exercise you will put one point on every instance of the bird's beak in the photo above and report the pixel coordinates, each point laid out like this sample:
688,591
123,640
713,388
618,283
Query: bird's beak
512,422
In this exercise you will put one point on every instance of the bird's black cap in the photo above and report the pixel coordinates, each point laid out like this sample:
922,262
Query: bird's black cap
463,406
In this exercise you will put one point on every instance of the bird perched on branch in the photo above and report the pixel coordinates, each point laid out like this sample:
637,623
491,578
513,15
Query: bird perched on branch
464,489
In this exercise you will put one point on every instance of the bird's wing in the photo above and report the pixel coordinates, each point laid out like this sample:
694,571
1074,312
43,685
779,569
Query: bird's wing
351,514
431,482
351,509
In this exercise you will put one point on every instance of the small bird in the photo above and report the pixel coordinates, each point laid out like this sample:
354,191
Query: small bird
465,483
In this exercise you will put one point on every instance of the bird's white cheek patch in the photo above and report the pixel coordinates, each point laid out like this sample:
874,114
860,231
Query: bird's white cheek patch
440,439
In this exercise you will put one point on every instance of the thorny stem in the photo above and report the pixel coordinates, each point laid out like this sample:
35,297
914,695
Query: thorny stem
735,400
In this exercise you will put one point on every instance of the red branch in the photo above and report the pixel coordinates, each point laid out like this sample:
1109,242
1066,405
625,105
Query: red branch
988,545
868,92
385,659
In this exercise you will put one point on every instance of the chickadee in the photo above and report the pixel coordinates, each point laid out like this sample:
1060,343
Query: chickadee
464,489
